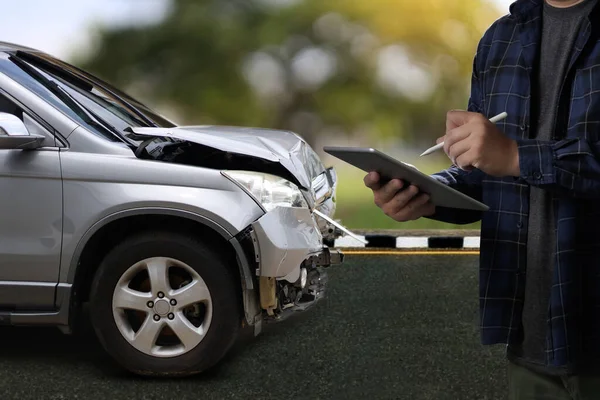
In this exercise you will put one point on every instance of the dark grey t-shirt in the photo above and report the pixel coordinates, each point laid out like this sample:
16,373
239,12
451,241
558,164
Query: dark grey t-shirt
560,29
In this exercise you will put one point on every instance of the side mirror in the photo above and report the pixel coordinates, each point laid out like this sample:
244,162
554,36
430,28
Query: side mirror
14,134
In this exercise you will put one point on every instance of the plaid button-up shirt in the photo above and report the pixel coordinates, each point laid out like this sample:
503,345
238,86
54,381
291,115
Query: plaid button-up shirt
568,166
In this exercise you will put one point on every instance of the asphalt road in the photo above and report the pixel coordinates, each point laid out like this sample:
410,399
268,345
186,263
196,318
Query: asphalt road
392,327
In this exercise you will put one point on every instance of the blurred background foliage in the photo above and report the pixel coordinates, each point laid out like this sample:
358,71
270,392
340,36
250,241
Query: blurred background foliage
380,73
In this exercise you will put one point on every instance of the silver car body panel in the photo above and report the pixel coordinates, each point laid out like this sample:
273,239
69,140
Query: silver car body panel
30,234
286,237
98,190
31,187
82,141
30,227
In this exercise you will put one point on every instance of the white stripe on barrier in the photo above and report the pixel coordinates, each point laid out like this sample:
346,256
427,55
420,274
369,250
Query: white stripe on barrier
348,241
471,242
411,242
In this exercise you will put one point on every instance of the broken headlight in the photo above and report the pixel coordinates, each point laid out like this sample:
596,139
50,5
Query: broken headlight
269,190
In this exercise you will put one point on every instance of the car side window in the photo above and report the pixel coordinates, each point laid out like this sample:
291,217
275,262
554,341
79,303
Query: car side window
7,106
33,127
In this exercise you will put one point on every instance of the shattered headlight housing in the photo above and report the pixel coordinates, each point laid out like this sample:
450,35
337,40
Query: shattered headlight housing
269,190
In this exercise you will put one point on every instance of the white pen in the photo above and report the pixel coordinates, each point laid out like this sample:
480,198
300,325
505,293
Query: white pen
438,146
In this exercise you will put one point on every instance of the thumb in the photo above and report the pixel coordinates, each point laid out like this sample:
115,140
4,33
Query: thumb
440,139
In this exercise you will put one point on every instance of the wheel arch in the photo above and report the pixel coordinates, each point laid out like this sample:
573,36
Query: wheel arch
106,233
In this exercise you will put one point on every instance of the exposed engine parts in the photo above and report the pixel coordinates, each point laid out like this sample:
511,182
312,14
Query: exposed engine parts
292,297
307,290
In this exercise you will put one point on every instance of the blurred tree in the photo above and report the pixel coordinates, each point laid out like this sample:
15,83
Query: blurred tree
377,67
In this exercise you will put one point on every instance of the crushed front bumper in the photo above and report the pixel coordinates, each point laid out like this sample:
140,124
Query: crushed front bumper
291,261
285,238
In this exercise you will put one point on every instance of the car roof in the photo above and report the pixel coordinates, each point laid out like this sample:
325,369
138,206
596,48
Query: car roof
11,47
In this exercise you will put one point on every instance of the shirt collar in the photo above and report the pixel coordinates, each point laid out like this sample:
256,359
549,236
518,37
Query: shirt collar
524,9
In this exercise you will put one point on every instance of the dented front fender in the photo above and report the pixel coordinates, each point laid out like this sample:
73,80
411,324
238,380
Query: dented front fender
286,236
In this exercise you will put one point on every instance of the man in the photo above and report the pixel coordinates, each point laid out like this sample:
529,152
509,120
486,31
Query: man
539,172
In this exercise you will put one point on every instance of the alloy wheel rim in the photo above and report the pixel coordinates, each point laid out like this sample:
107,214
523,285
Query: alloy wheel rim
162,307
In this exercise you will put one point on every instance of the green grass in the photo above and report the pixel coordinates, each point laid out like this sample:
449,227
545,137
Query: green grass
357,210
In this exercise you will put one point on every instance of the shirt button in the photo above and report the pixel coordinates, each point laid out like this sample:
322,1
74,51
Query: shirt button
537,175
519,224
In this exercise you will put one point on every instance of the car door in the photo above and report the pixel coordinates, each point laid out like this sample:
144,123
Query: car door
30,219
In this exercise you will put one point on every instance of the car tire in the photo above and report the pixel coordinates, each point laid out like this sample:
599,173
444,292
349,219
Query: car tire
199,259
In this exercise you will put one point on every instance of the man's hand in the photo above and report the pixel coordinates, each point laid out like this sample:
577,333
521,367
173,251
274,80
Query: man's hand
472,141
405,205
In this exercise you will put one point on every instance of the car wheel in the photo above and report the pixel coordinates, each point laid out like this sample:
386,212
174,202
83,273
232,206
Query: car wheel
165,304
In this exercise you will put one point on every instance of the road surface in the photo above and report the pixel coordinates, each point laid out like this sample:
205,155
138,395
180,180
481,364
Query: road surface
400,325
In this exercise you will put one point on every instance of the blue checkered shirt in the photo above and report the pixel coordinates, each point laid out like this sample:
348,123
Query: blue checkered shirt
568,166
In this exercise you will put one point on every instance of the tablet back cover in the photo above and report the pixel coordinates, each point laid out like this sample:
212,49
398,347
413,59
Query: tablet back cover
369,159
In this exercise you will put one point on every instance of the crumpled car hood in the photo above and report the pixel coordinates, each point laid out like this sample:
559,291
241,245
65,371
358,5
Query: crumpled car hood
283,147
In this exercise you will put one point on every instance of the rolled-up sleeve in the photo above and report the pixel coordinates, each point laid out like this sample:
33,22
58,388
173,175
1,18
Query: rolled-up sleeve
570,166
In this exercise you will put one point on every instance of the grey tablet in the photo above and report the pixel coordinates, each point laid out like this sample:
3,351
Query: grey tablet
369,159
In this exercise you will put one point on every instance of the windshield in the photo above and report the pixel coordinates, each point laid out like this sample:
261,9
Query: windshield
110,111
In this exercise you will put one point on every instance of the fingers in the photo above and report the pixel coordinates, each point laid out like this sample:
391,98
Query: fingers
457,149
383,193
419,206
398,201
466,161
456,135
428,209
371,181
405,205
387,192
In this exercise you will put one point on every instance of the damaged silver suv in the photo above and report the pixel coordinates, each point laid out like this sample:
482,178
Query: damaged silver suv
176,236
